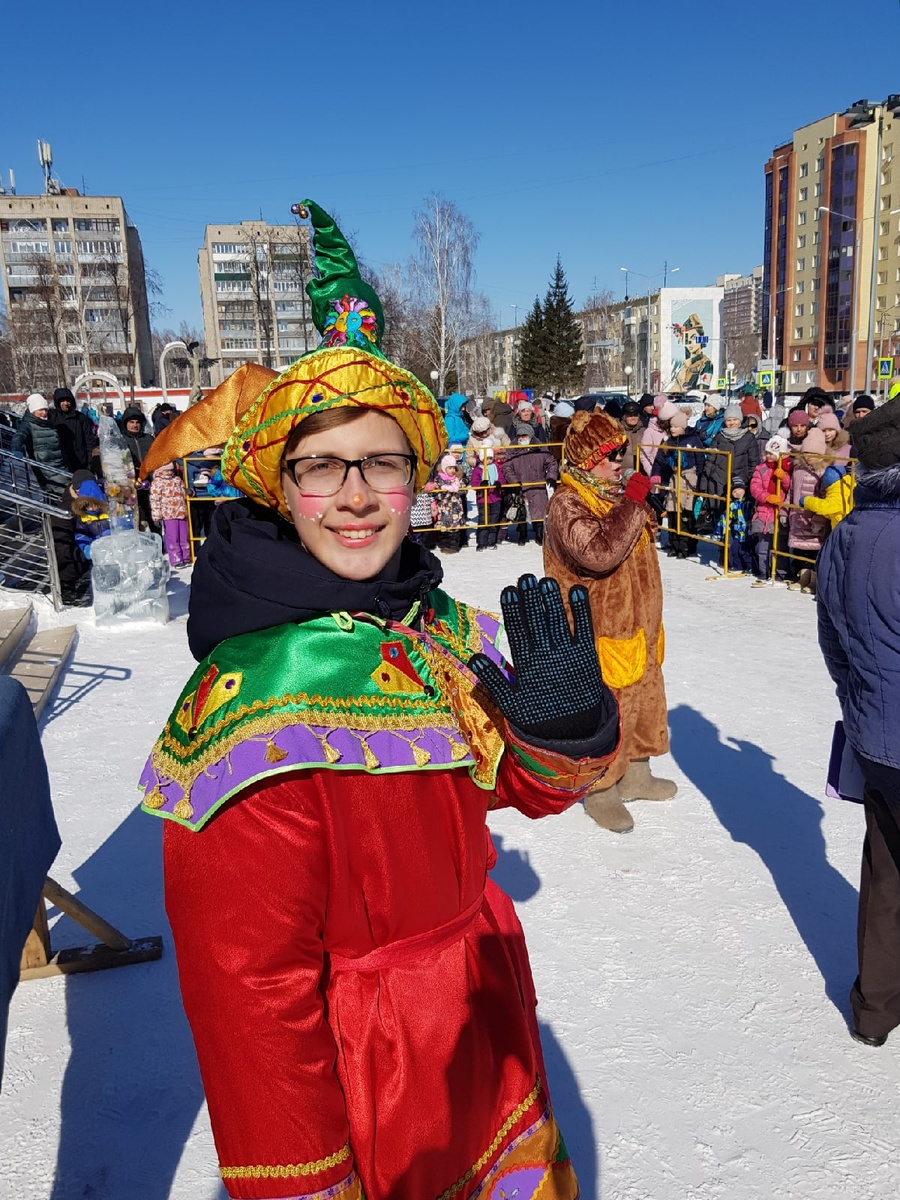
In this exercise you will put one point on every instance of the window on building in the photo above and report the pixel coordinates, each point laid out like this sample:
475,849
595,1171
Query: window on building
804,194
799,287
795,376
798,333
801,264
813,353
798,310
820,164
882,276
817,237
804,170
798,354
881,302
885,177
817,261
814,308
60,224
819,189
882,253
24,225
801,241
884,228
885,202
29,247
801,217
62,246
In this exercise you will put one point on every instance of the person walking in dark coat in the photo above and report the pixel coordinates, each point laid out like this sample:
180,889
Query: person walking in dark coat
858,581
77,435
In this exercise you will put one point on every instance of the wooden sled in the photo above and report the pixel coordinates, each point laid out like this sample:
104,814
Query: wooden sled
113,950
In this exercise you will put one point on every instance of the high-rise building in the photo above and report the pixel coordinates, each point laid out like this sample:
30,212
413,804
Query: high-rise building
828,225
253,280
74,288
742,322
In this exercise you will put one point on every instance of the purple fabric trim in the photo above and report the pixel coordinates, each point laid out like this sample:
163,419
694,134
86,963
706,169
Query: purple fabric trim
247,761
327,1194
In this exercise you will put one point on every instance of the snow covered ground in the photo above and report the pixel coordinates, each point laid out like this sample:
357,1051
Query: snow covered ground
692,974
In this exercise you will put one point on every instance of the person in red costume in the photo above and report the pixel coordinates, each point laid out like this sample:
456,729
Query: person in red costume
358,989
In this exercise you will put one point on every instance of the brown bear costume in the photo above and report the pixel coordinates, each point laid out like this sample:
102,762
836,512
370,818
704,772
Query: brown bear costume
598,537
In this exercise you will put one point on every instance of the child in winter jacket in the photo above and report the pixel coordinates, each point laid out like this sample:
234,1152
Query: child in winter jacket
739,556
769,487
168,507
447,503
833,497
487,478
90,514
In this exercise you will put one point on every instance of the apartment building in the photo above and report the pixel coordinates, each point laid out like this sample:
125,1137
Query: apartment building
253,280
74,288
742,321
830,221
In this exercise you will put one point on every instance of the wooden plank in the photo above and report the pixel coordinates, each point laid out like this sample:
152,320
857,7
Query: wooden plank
96,958
13,627
42,662
86,917
36,954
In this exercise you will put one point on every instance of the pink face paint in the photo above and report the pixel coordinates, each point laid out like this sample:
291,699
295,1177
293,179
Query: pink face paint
399,501
307,507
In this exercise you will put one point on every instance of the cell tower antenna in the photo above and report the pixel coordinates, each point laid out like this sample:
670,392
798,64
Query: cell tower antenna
12,182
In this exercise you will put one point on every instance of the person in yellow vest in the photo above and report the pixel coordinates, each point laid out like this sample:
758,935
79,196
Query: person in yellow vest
600,533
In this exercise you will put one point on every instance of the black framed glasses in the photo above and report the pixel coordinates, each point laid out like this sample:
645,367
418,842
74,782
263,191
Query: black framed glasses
618,455
318,475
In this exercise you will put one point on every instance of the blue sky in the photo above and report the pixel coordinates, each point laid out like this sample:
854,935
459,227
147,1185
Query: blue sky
610,134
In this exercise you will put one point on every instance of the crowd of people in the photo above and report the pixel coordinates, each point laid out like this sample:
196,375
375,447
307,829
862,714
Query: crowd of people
773,484
61,446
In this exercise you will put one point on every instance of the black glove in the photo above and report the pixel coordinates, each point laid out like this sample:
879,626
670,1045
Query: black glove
558,693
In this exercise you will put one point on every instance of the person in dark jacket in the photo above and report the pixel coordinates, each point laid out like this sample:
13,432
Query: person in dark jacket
162,416
527,416
559,425
709,424
76,433
499,413
679,472
37,439
648,408
740,444
632,422
858,581
530,465
138,439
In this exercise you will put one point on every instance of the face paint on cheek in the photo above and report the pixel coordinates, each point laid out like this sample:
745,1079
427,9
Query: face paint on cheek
399,502
308,509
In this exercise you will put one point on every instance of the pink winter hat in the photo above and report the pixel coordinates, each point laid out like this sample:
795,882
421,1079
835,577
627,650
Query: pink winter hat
827,420
667,410
798,417
814,443
678,420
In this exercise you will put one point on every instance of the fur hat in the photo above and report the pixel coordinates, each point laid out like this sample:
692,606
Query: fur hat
36,402
667,410
734,412
827,420
777,445
814,443
590,438
876,439
798,417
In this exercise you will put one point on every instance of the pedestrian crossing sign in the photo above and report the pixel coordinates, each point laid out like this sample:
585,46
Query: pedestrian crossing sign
885,368
765,379
722,385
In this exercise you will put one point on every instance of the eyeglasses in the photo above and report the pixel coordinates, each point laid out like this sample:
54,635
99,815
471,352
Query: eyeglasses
318,476
617,455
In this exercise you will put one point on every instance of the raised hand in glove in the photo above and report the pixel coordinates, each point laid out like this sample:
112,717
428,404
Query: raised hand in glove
558,693
638,488
776,500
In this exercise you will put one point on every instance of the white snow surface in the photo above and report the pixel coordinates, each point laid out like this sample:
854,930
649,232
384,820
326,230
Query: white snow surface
692,975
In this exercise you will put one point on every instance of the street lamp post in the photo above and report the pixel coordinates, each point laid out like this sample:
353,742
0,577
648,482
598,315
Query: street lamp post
515,386
854,297
730,369
667,270
628,373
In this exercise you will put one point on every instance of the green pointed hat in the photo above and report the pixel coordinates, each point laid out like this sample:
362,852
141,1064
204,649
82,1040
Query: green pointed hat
345,309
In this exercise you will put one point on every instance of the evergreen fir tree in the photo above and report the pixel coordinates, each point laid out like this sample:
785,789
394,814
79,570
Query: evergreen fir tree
531,366
563,358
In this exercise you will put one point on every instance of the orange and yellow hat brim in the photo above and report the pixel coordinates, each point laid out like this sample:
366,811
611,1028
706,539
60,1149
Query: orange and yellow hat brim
331,377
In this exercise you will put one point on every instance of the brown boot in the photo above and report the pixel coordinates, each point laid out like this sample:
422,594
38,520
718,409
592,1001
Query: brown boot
606,808
638,784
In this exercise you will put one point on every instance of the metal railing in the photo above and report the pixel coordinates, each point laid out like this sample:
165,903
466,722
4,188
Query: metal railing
27,514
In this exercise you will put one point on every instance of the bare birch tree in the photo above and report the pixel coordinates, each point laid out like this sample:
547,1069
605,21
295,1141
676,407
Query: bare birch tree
443,274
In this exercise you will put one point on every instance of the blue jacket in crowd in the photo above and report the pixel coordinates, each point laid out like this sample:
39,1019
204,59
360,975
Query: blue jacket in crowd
457,429
858,591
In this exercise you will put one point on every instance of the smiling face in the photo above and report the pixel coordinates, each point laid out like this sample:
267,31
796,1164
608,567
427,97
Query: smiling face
357,532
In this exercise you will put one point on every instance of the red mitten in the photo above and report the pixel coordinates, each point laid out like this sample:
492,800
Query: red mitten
638,489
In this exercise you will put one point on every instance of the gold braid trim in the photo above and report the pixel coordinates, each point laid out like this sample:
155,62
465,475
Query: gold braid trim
514,1117
290,1171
